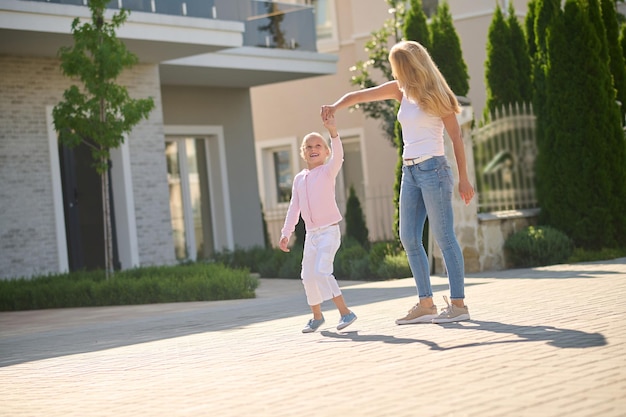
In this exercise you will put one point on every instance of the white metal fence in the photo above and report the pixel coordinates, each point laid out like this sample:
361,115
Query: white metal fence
378,209
504,155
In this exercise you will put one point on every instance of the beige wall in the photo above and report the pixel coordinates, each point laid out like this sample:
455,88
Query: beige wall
229,109
290,110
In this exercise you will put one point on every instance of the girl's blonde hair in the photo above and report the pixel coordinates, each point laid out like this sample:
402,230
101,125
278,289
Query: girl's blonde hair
420,79
310,135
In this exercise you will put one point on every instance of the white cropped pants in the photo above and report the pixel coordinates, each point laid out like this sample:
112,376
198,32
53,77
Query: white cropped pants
320,247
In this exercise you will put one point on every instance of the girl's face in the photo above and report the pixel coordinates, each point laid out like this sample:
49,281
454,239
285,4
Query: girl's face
315,151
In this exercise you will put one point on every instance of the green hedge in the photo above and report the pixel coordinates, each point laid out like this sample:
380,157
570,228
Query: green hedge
190,282
538,246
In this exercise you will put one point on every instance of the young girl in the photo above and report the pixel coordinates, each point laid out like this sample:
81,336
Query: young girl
313,197
427,106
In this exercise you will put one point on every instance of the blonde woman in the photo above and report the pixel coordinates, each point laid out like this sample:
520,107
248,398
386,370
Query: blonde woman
427,106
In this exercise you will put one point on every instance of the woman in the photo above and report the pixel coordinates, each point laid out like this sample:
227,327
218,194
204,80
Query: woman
427,106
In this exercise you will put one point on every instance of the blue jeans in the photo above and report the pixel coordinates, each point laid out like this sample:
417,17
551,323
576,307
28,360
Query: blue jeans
426,189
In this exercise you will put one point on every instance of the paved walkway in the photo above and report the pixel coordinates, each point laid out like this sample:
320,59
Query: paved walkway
543,342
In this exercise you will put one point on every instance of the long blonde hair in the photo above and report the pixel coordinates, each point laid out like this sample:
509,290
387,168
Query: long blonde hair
420,79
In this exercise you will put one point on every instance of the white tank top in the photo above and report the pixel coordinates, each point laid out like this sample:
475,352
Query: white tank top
422,133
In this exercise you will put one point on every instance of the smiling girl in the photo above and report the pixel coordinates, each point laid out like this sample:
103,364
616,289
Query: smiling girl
313,197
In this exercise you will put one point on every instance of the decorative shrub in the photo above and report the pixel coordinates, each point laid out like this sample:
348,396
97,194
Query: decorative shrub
538,246
394,266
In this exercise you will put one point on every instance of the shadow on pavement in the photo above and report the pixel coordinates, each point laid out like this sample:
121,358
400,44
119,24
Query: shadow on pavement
93,334
553,336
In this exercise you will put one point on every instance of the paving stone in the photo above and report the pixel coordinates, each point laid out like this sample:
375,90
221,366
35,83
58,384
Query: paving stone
545,341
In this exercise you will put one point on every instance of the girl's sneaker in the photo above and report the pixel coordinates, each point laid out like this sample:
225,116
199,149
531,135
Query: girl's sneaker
313,325
452,313
346,320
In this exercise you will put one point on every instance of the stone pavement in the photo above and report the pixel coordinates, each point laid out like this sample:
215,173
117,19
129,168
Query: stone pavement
542,342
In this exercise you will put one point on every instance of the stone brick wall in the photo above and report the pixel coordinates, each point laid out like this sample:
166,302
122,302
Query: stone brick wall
28,244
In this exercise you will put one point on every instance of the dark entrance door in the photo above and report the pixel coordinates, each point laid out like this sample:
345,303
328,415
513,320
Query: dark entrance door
82,198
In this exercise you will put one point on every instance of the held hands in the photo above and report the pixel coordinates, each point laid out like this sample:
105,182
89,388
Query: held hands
284,241
327,111
328,118
466,190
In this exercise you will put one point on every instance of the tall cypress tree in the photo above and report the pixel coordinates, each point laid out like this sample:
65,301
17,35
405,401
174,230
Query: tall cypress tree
577,156
519,48
355,219
500,66
618,65
446,51
507,68
415,24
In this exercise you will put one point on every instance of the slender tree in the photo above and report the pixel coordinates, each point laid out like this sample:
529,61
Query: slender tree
376,69
507,68
446,51
99,113
582,155
355,219
416,25
500,67
521,55
617,63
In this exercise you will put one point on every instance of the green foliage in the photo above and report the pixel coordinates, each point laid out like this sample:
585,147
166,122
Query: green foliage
356,227
446,51
538,246
351,261
101,112
377,70
582,255
300,234
415,25
507,69
192,282
622,42
394,266
580,168
616,55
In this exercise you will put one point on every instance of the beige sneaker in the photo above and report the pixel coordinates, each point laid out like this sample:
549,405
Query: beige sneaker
419,314
452,313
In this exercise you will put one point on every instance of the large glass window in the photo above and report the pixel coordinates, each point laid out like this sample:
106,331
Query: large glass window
323,20
187,171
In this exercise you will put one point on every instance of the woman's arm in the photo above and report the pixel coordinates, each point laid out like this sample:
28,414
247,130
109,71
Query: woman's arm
454,131
386,91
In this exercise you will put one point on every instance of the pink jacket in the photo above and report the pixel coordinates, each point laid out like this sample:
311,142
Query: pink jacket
313,194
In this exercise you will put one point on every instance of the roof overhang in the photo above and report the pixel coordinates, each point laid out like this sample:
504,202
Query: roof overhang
39,29
246,67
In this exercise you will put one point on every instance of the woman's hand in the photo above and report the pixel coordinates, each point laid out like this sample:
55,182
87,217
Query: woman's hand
466,190
327,111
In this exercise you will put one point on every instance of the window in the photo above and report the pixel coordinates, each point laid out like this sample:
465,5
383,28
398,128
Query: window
277,164
189,197
199,192
283,176
325,23
323,20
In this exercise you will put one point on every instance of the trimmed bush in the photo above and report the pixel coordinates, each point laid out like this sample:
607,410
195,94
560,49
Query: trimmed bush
538,246
395,266
190,282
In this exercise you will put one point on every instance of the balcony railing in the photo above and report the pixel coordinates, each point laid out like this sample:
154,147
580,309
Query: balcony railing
268,24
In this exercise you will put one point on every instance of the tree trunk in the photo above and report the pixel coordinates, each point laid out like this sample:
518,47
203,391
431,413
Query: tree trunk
108,232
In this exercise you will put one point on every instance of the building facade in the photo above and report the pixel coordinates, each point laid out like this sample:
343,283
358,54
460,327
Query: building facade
184,181
285,112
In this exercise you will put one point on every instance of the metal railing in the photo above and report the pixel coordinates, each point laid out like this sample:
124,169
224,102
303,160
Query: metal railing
268,24
504,157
